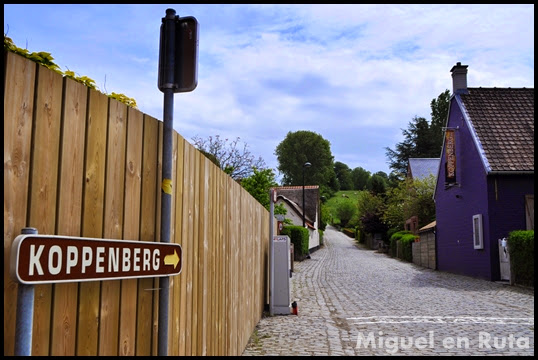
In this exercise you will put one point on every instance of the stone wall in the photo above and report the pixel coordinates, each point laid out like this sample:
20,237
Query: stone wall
424,250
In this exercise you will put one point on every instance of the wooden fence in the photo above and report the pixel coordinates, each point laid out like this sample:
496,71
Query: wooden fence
78,163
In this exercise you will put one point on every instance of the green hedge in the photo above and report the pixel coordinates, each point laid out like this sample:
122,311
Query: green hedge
406,247
349,232
394,238
521,247
320,237
299,237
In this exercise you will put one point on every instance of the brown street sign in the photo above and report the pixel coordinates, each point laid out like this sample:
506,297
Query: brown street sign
38,259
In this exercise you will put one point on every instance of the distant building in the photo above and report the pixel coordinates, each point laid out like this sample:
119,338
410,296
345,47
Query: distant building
292,199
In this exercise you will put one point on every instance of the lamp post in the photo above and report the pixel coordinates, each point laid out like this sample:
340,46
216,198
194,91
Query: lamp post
306,165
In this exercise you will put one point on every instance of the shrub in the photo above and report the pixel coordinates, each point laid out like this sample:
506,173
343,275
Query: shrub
299,237
394,241
406,247
521,247
345,211
320,237
349,232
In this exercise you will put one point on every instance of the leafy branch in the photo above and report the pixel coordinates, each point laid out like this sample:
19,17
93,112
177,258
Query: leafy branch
46,59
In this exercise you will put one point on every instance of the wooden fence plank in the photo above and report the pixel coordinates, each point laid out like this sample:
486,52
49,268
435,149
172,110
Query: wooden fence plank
196,282
148,230
188,238
92,224
43,188
19,88
229,246
68,221
158,190
173,321
202,254
222,191
179,280
235,222
213,261
113,223
243,277
131,230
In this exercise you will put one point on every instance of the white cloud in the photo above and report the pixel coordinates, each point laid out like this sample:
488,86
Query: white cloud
355,74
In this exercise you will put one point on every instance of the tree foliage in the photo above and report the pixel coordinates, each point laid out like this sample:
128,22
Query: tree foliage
345,211
306,146
422,139
343,174
371,209
259,185
377,184
411,197
360,177
231,157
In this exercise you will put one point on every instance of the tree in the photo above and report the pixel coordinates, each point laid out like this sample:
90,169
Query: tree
439,116
238,162
411,197
415,144
371,209
259,184
377,184
345,212
306,146
360,178
422,139
343,174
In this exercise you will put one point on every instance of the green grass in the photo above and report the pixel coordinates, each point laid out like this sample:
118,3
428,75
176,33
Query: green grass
332,204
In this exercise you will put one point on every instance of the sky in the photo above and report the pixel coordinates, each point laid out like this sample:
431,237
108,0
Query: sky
355,74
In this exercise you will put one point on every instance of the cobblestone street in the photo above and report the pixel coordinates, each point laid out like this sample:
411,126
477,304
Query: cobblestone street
354,301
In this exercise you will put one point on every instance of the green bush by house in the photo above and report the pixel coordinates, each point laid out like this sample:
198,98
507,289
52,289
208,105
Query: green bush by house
349,232
406,247
299,237
394,241
521,247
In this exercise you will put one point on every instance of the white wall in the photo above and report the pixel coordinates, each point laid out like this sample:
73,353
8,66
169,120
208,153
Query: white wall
297,219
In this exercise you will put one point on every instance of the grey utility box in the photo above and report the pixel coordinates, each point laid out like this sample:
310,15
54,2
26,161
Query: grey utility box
282,271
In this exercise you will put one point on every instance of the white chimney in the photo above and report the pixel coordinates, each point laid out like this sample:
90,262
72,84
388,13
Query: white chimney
459,78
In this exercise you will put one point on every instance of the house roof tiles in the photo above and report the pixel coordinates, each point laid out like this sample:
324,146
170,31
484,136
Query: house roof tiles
295,194
503,119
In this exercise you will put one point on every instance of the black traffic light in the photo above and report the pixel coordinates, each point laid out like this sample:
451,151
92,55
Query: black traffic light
178,53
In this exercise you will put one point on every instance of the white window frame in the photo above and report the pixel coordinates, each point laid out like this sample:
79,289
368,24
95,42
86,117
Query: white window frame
478,235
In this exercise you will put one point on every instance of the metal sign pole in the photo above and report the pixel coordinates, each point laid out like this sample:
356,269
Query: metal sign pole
178,53
25,313
169,23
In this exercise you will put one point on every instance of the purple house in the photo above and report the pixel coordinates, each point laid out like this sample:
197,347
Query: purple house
485,183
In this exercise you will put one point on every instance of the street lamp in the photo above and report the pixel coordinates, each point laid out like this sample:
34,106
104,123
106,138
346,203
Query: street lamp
306,165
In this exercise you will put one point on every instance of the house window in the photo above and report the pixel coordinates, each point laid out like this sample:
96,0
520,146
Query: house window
529,211
478,239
